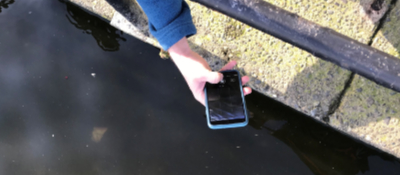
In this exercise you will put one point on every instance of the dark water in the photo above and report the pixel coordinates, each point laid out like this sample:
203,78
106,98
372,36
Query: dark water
136,115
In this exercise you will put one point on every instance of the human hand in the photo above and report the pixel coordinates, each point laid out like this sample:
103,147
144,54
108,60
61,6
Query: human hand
196,70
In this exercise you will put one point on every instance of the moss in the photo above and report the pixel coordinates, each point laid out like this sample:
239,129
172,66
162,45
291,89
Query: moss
374,100
233,29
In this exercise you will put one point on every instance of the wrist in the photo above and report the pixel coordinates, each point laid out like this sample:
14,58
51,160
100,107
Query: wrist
186,60
180,49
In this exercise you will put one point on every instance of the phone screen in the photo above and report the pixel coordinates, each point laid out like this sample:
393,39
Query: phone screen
225,103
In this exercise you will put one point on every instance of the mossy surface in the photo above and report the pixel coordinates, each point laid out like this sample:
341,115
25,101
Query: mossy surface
370,112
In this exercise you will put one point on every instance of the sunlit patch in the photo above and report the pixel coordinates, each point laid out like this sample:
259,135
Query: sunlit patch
98,133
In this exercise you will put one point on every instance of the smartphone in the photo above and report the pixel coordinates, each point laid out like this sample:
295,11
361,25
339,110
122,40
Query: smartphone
225,103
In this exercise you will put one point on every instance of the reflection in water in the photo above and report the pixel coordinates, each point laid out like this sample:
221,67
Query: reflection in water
5,4
324,150
107,37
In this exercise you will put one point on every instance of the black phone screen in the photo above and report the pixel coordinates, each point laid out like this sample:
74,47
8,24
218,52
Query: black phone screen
225,103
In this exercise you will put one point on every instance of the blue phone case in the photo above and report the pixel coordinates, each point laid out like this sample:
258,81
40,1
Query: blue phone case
234,125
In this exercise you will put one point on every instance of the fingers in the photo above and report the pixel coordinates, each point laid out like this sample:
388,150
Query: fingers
245,79
247,90
228,66
214,77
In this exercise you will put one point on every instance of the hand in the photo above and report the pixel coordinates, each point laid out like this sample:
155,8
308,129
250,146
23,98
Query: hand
196,70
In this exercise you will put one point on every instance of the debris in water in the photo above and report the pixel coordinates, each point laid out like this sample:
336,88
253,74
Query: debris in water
93,75
98,133
237,146
52,135
30,12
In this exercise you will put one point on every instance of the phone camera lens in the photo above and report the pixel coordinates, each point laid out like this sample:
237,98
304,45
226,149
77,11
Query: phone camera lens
222,81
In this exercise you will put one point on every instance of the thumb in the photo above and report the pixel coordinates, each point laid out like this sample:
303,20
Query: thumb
214,77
